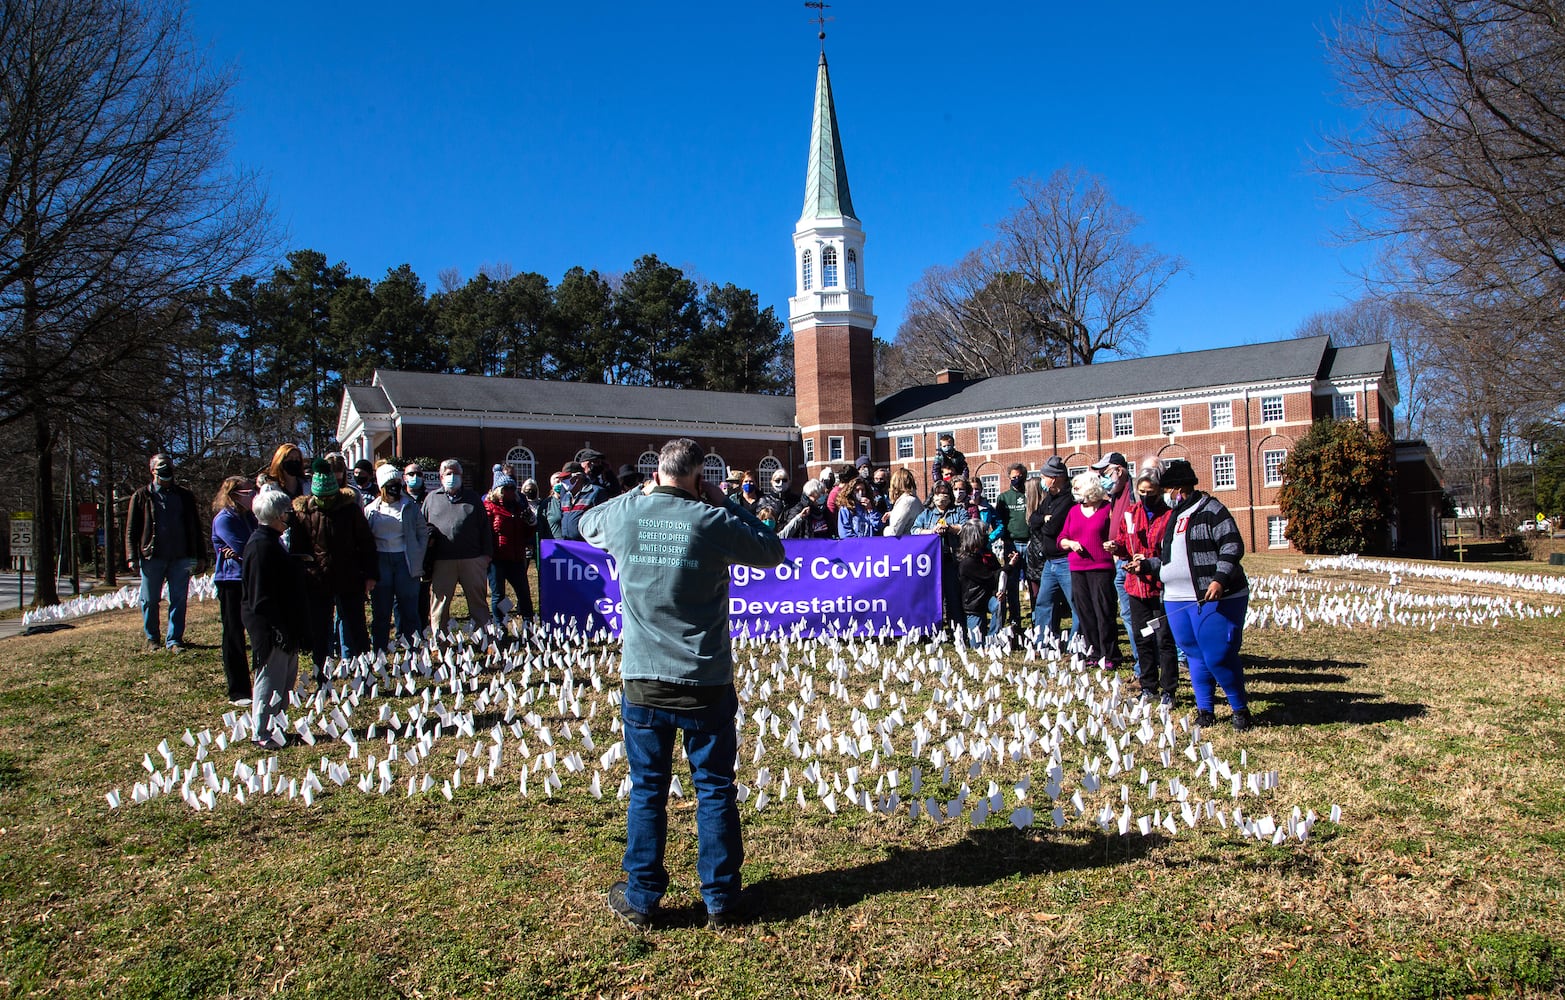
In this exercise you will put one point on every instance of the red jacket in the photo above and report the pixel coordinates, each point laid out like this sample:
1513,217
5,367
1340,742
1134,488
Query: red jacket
513,530
1133,534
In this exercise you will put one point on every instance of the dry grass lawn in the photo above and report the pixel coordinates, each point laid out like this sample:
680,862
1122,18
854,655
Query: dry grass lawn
1444,877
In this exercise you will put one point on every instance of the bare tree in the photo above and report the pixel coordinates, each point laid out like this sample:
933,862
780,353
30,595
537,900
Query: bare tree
1408,324
115,197
980,318
1461,149
1071,236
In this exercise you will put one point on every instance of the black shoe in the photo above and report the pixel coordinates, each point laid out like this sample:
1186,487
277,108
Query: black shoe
1168,701
1205,718
622,908
723,920
1242,721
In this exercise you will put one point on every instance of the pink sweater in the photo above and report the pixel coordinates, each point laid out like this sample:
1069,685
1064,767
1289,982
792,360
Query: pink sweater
1091,532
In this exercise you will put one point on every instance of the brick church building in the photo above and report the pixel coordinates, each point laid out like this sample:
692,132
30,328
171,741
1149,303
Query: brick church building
1234,412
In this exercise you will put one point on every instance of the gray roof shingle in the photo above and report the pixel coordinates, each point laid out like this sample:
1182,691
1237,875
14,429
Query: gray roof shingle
1280,360
369,399
529,397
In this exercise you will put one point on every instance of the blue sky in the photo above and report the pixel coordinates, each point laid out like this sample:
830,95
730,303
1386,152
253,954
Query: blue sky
545,136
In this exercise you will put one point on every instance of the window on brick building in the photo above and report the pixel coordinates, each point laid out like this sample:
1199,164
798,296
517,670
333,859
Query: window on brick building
1223,476
809,450
713,469
1222,414
1171,419
1271,463
863,447
1075,428
904,446
764,470
522,464
1124,424
1271,409
1344,407
1075,471
990,484
988,438
647,464
1277,532
1032,434
834,449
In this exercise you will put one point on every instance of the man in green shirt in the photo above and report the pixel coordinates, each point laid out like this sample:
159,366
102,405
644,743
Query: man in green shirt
673,542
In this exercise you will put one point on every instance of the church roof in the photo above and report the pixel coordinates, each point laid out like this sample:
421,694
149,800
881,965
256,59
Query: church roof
520,397
368,399
826,180
1303,359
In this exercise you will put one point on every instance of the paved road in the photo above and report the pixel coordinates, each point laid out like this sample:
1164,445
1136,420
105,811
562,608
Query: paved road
9,597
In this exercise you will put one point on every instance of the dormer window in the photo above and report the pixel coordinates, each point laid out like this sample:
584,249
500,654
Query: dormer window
809,271
828,266
853,270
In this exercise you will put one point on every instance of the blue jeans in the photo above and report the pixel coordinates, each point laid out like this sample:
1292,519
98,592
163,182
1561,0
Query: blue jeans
711,744
1124,609
986,625
1209,633
396,589
513,572
155,573
1055,580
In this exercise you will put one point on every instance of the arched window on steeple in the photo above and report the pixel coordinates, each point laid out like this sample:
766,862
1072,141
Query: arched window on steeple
809,272
853,270
828,266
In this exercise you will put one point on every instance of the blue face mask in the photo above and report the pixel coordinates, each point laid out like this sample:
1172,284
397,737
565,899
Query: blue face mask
451,481
1107,482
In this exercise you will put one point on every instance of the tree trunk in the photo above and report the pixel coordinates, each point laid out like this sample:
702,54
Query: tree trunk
44,592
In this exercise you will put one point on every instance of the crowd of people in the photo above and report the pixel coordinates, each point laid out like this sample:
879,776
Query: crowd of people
1114,547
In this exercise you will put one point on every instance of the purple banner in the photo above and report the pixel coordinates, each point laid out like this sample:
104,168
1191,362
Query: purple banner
855,584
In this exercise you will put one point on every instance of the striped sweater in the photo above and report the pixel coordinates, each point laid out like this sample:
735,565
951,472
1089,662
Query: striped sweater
1213,545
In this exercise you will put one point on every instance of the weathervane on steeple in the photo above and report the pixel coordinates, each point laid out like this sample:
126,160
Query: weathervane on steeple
820,18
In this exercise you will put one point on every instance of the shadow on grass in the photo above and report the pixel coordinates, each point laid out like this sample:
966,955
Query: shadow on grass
983,857
1297,702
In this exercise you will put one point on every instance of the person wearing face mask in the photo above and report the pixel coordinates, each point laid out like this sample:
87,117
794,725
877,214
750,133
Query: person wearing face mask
730,484
1114,476
232,523
569,504
785,498
749,493
1085,538
767,513
1138,534
512,521
1205,592
1010,509
949,463
808,518
1043,550
461,544
287,471
596,465
341,566
397,524
414,487
945,518
163,541
856,512
364,479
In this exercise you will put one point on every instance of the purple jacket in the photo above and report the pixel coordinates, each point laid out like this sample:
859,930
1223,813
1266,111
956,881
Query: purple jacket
230,530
